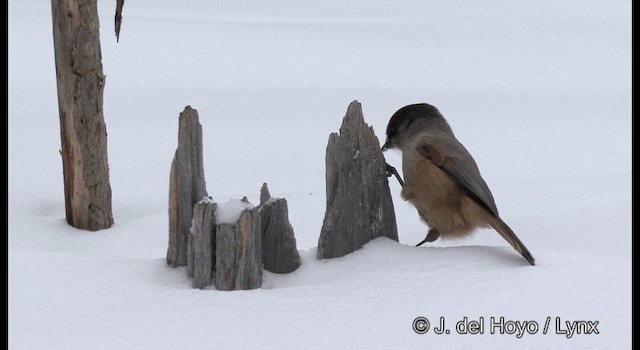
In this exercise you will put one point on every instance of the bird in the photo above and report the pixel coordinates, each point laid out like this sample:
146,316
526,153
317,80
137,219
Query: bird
441,178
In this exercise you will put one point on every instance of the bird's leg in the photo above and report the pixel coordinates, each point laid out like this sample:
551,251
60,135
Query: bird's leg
432,235
392,171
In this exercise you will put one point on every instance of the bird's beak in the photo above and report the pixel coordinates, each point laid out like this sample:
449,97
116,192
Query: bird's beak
386,146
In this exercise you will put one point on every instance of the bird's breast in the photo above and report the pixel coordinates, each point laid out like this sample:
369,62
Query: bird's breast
432,192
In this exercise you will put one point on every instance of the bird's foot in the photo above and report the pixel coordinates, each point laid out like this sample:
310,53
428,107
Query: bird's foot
390,171
432,236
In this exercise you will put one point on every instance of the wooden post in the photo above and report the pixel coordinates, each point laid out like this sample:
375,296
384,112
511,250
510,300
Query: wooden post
186,185
203,246
279,250
359,204
85,165
239,253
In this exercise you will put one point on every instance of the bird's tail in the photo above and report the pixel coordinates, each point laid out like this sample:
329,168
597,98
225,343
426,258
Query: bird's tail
507,233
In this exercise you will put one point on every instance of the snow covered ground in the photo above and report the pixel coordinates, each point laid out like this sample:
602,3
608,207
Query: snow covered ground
538,91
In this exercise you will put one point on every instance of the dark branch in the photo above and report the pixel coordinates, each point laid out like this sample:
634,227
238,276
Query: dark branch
119,5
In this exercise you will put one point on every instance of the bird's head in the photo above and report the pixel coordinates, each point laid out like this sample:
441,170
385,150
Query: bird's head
408,121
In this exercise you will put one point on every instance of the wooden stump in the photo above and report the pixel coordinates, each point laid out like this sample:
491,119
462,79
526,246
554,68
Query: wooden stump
186,185
85,164
238,254
359,204
279,250
230,243
203,243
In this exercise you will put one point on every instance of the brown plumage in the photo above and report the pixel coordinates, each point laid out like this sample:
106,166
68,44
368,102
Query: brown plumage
441,178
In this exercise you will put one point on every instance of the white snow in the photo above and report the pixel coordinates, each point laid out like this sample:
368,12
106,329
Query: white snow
229,212
538,91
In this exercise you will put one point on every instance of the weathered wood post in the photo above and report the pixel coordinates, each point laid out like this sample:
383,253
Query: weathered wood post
186,185
230,243
222,244
80,80
279,250
359,204
239,253
203,247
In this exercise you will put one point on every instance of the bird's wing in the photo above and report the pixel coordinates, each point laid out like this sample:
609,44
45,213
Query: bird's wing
460,166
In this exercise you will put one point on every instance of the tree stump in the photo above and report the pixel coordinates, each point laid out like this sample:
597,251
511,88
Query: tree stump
186,185
230,243
203,245
238,254
85,164
279,250
359,204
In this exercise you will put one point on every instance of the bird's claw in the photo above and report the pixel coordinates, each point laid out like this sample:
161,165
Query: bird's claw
389,170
